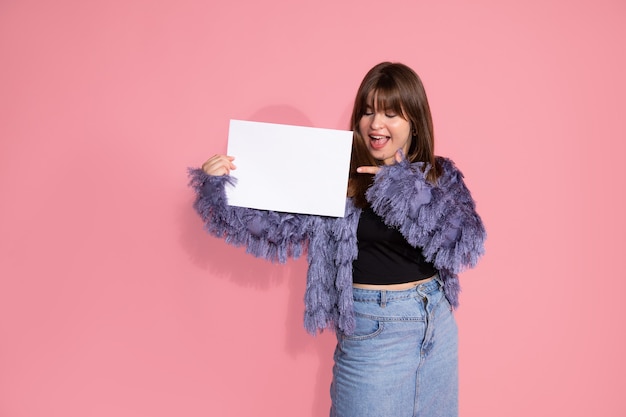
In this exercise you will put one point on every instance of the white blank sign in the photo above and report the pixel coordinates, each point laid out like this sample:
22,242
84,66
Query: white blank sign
288,168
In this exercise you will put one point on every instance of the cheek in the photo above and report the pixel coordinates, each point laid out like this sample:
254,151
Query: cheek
404,130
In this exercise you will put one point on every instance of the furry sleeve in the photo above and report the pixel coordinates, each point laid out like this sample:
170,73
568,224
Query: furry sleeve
266,234
441,219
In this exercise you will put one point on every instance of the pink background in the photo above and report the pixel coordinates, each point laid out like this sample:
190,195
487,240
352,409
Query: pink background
113,300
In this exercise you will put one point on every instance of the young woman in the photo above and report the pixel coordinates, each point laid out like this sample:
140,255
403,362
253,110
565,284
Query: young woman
383,277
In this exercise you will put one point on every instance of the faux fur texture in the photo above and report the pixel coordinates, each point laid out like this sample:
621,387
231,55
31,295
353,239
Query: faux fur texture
441,219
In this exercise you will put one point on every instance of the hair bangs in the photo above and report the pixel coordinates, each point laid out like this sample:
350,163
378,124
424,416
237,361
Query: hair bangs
387,97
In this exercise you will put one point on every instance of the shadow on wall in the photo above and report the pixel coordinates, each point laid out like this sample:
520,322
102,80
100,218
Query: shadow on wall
220,259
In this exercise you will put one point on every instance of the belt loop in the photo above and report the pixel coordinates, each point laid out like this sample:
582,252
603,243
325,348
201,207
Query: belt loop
439,280
383,298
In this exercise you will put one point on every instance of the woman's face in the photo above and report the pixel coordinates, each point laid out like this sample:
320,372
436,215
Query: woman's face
384,132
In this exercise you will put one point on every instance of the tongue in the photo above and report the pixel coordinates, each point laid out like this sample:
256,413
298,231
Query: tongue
378,143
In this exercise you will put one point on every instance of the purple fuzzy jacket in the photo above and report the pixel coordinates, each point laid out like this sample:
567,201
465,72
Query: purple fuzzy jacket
441,219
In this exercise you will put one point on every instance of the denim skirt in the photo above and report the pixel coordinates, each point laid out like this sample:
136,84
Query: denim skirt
402,360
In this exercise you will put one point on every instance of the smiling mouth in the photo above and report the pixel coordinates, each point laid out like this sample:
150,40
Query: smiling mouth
378,142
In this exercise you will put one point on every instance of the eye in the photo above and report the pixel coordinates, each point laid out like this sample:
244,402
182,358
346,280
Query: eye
368,111
390,115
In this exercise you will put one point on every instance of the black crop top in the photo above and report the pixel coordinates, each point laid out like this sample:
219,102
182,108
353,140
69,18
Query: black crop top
385,257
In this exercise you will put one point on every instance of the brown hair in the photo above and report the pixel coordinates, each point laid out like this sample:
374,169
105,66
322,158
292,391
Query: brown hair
396,88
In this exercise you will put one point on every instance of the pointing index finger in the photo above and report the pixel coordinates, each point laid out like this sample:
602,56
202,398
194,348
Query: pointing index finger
368,170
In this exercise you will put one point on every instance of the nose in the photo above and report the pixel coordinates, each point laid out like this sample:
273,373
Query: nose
377,121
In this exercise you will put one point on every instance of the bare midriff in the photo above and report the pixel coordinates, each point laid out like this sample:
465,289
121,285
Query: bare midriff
393,287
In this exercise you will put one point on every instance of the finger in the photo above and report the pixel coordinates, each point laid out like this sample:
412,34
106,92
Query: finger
368,170
399,156
220,159
230,162
219,165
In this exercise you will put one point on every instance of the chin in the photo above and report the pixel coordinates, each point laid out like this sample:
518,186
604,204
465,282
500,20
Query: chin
379,155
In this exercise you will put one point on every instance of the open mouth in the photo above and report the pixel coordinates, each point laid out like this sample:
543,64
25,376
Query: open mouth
378,142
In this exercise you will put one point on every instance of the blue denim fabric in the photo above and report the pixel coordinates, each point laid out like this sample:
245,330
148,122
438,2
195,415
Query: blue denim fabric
402,360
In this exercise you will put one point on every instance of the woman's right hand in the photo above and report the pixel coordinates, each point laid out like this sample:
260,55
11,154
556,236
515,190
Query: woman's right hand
219,165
